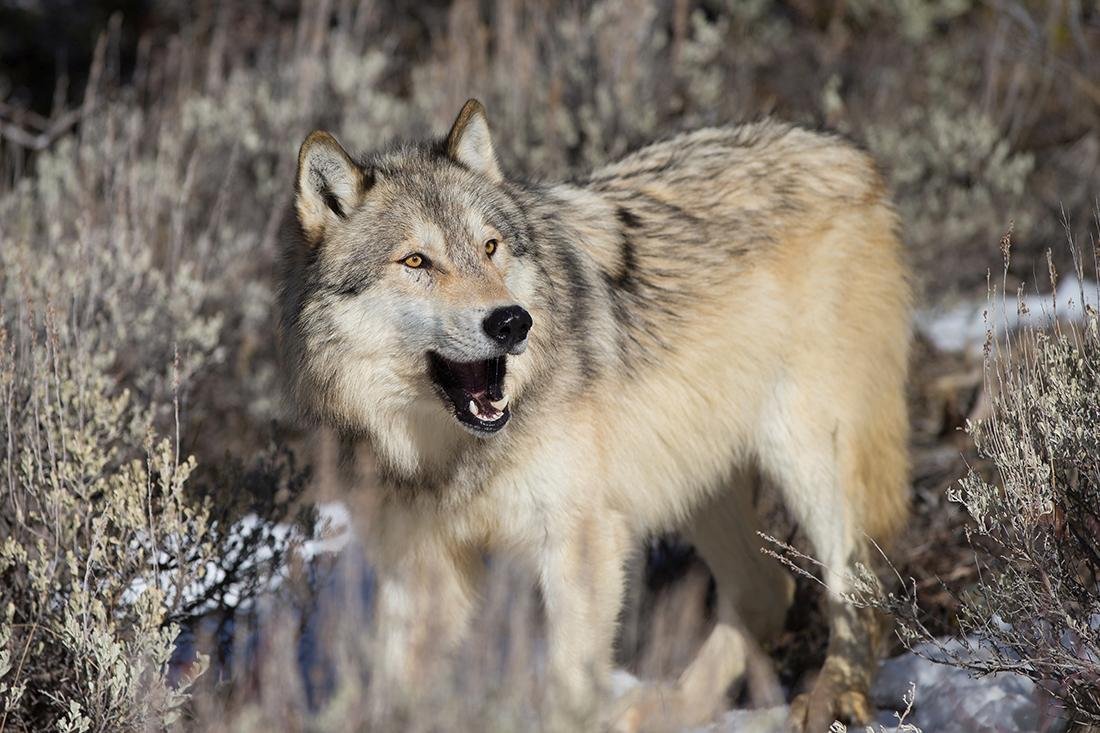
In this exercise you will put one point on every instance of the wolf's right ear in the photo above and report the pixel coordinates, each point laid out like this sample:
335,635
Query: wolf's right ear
470,144
330,185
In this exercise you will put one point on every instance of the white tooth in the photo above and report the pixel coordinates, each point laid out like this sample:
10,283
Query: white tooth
473,409
501,403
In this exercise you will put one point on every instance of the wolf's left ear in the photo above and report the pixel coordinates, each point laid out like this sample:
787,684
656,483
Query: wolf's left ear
469,142
330,185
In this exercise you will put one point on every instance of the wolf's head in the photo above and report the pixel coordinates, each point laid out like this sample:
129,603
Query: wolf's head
406,291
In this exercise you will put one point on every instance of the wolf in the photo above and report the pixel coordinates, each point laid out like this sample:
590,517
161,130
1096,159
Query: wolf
556,370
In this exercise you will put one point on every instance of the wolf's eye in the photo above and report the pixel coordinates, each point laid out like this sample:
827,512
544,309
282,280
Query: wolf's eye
491,247
415,261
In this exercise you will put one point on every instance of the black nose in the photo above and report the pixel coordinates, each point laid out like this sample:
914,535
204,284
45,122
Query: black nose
507,326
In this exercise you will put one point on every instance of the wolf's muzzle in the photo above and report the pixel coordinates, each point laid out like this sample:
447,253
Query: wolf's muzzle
508,326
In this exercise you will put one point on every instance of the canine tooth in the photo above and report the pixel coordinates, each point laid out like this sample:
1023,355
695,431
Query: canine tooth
501,403
473,409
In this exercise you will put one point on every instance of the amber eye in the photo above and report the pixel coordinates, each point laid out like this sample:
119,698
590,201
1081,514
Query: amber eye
491,247
415,261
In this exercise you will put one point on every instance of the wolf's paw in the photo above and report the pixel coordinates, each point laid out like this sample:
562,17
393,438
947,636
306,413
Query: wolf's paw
656,708
832,698
638,710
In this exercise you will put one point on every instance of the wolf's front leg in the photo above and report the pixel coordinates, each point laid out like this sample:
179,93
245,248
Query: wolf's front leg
582,577
424,595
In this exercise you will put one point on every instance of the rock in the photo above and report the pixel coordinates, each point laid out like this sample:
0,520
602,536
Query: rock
947,700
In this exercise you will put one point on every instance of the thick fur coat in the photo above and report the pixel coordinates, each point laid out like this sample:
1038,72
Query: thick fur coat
727,304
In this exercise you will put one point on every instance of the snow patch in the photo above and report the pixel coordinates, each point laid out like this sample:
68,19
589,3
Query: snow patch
963,327
334,532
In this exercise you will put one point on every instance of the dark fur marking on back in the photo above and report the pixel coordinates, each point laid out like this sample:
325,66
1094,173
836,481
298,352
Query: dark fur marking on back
627,276
626,279
628,218
580,296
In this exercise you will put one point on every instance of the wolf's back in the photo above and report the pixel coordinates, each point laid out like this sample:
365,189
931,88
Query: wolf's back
778,248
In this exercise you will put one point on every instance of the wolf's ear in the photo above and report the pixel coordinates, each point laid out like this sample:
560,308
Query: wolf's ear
330,185
469,142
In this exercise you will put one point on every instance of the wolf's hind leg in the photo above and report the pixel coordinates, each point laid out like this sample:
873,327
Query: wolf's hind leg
753,594
841,689
805,457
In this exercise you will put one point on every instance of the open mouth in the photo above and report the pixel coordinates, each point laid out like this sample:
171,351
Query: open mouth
475,390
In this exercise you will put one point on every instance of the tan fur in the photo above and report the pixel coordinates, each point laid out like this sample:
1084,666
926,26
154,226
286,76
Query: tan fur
768,331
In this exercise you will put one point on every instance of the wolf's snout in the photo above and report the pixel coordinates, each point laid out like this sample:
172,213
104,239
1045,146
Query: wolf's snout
508,326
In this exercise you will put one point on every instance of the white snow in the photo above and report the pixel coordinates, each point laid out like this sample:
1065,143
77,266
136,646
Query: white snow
963,327
334,532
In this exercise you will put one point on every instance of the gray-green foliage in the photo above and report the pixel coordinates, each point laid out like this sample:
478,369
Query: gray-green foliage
949,158
1038,602
127,281
104,550
1035,518
98,548
956,178
915,19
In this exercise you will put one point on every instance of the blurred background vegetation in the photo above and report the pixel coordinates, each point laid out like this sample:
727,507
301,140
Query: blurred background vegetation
146,158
